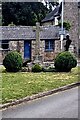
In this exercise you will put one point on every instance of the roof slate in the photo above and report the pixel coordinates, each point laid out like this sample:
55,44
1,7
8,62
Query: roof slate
28,32
51,15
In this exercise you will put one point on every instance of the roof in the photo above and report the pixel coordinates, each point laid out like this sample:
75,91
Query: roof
53,14
27,32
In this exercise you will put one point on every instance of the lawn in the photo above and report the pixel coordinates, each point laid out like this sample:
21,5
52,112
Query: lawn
22,84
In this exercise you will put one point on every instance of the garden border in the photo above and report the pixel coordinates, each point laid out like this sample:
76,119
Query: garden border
39,95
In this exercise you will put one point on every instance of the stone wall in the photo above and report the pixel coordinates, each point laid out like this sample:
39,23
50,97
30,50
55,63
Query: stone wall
49,56
79,32
48,23
17,46
45,55
13,46
57,46
41,50
71,14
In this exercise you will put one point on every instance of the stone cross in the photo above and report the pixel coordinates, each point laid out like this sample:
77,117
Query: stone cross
37,48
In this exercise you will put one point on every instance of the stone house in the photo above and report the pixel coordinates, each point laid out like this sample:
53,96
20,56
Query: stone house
71,15
53,17
24,38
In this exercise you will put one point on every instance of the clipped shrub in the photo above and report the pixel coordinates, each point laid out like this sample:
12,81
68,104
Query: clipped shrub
36,68
13,61
64,62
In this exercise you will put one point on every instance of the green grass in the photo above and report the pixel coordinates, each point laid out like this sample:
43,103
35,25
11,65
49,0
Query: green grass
22,84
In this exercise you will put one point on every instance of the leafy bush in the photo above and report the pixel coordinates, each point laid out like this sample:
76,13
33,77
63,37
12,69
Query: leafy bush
66,25
36,68
13,61
64,62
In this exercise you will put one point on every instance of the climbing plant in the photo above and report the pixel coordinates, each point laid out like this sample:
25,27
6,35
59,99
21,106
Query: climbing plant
66,25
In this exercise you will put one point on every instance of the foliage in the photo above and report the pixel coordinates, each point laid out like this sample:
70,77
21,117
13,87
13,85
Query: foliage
11,24
23,13
36,68
66,25
21,84
64,62
13,61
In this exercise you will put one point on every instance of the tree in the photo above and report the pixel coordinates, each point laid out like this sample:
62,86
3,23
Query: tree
23,13
66,25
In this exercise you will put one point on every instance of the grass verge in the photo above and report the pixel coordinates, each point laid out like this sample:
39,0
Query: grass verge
22,84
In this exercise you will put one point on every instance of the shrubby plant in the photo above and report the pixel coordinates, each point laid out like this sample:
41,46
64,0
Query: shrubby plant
36,68
66,25
13,61
64,62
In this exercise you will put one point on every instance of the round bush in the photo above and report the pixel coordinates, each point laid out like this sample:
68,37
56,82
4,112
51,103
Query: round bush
64,62
13,61
36,68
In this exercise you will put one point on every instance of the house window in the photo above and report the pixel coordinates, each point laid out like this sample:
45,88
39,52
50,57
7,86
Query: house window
49,45
5,44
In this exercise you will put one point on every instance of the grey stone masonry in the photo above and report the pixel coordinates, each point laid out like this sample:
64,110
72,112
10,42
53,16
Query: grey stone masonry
79,32
13,46
17,46
16,36
71,14
41,50
45,55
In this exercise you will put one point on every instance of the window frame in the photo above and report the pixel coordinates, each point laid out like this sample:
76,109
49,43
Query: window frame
3,44
50,43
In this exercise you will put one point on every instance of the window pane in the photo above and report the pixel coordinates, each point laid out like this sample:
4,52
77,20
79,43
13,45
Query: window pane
5,44
46,44
49,45
52,45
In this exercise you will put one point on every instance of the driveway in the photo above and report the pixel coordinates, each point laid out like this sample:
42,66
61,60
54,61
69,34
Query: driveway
60,105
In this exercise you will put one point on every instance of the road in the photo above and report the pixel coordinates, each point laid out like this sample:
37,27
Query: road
60,105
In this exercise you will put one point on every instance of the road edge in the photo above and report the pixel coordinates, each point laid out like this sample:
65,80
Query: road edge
39,95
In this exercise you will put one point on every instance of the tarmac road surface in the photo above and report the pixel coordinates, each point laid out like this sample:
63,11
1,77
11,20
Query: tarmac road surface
60,105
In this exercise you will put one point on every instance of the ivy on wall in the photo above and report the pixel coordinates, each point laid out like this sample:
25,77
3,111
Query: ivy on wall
66,25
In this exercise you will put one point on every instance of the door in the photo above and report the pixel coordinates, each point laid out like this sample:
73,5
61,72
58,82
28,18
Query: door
27,50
